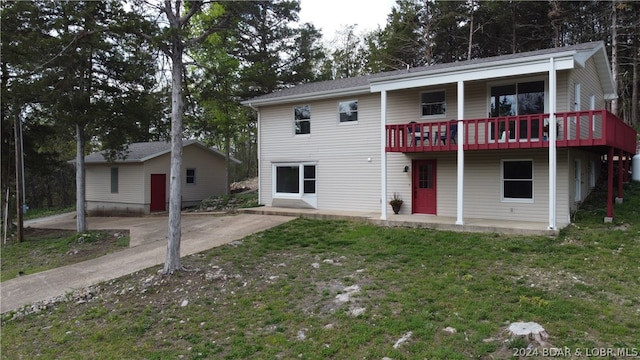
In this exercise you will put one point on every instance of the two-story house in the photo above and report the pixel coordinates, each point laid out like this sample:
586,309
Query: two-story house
466,140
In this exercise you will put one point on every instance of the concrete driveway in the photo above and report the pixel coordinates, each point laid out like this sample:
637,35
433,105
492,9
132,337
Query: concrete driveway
147,248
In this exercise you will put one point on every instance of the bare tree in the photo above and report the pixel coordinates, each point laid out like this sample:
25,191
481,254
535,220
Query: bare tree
614,54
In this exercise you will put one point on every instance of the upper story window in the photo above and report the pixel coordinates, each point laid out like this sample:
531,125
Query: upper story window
191,176
433,103
517,99
302,119
348,111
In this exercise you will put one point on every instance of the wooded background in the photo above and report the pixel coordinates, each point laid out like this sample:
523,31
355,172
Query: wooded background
96,70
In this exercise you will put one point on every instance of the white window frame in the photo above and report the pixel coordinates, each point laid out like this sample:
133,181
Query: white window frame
310,198
444,105
294,120
502,179
349,122
186,176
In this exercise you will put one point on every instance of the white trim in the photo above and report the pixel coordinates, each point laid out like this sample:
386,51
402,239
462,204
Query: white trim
553,207
502,179
312,198
383,155
436,116
483,71
259,163
339,112
577,181
293,124
307,97
460,153
577,100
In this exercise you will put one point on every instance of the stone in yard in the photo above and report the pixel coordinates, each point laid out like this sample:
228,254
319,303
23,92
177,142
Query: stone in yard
530,331
403,339
450,330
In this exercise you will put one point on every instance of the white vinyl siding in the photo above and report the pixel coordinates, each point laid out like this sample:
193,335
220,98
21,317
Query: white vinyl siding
130,184
347,157
483,188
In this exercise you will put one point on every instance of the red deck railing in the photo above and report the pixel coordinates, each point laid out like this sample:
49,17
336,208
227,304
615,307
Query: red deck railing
573,129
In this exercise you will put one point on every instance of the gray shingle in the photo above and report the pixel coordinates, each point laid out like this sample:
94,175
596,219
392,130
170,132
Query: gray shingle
362,81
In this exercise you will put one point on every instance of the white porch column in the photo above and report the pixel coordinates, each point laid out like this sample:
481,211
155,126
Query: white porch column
383,155
460,141
552,145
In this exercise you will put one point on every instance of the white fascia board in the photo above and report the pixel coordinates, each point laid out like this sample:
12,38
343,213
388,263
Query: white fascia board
328,94
486,71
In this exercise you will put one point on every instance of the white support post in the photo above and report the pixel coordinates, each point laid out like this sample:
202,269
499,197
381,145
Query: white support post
552,146
383,155
460,142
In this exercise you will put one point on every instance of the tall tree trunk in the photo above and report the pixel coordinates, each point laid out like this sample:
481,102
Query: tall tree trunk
172,262
470,30
614,54
81,221
514,27
635,118
227,153
19,177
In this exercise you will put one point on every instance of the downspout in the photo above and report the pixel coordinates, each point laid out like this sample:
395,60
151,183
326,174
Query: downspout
460,142
383,155
552,146
259,158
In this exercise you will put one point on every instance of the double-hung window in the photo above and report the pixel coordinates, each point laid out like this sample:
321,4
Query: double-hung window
191,176
433,103
517,180
302,119
348,111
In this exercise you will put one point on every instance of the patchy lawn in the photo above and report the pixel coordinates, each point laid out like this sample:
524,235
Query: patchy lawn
314,289
45,249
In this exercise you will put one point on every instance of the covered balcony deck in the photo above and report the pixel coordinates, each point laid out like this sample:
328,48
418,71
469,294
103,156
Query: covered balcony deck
593,128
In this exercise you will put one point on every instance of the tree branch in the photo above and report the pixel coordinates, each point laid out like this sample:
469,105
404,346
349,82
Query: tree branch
196,5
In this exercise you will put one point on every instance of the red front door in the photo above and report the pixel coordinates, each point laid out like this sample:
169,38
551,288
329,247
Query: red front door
424,187
158,192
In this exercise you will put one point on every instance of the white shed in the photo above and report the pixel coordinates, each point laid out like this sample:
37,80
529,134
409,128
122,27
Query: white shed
139,183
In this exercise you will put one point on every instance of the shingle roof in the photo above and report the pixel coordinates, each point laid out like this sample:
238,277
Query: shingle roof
363,82
143,151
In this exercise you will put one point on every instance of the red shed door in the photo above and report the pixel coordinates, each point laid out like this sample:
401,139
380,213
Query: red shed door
424,187
158,192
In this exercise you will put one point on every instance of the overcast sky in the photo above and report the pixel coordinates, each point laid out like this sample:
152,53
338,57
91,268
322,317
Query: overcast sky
332,15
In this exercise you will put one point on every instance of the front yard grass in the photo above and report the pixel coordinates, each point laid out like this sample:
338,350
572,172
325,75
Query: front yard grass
45,249
315,289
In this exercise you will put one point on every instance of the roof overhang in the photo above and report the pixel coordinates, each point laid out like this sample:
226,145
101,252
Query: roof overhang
163,152
471,72
352,91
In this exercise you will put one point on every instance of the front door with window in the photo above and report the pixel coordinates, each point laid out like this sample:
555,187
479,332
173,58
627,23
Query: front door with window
424,187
